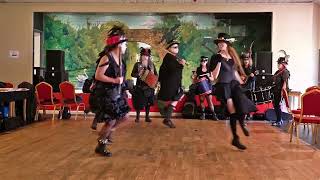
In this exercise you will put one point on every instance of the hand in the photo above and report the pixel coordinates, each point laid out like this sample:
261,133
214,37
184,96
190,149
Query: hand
129,95
243,78
118,80
202,79
182,61
251,75
141,72
211,78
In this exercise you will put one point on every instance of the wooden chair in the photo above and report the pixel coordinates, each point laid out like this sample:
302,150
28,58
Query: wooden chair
45,100
310,113
69,98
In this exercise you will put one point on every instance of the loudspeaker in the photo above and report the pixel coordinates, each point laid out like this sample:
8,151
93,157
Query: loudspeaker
55,78
263,80
38,75
263,61
55,60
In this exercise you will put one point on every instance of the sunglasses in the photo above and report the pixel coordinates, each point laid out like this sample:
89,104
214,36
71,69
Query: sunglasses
204,60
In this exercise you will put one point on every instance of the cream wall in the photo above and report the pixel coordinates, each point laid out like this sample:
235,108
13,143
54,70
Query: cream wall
295,28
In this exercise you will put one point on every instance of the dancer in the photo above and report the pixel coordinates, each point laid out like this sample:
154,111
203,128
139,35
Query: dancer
225,67
170,76
143,96
108,98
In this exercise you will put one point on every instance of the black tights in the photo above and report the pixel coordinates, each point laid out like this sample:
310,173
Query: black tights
233,123
147,108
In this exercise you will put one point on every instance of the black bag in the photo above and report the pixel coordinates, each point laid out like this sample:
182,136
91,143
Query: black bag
11,123
65,113
259,116
271,115
86,86
189,110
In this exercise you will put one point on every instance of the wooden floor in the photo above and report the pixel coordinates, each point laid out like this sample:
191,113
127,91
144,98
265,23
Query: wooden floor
194,150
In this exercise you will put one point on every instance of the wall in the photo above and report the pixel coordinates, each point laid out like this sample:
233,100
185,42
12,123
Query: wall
293,30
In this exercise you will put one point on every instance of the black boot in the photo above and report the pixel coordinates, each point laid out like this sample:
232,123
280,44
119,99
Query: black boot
137,116
243,125
203,114
233,126
101,149
214,116
167,121
109,139
147,114
236,143
94,124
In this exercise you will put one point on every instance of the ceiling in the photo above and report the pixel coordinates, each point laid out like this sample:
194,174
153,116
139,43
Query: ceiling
160,1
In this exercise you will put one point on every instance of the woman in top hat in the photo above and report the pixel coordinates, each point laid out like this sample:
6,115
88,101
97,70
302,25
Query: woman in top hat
281,79
170,76
108,100
143,96
203,74
225,67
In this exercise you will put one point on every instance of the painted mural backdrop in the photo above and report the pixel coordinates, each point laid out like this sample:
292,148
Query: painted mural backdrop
82,36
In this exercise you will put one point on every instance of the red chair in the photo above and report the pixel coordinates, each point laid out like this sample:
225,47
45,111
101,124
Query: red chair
297,111
69,99
310,113
8,85
45,100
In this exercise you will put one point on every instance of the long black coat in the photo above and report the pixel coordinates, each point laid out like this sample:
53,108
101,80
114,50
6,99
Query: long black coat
170,76
142,95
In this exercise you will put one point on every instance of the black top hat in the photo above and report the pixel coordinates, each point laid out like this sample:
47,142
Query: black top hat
115,37
224,37
172,42
145,51
282,60
245,56
204,58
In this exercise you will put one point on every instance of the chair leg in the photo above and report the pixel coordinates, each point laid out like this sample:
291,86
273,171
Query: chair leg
84,112
316,133
37,114
61,111
291,130
297,132
54,111
77,112
313,134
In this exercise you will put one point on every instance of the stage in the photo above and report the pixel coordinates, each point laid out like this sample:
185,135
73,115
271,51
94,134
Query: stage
64,149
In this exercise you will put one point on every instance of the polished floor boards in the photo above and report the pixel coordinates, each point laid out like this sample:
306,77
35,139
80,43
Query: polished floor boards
196,149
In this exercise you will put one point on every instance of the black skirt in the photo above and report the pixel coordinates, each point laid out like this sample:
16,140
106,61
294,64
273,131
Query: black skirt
242,103
142,96
108,104
223,91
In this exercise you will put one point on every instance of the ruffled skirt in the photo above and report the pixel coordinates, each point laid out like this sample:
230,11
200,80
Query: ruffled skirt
108,104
